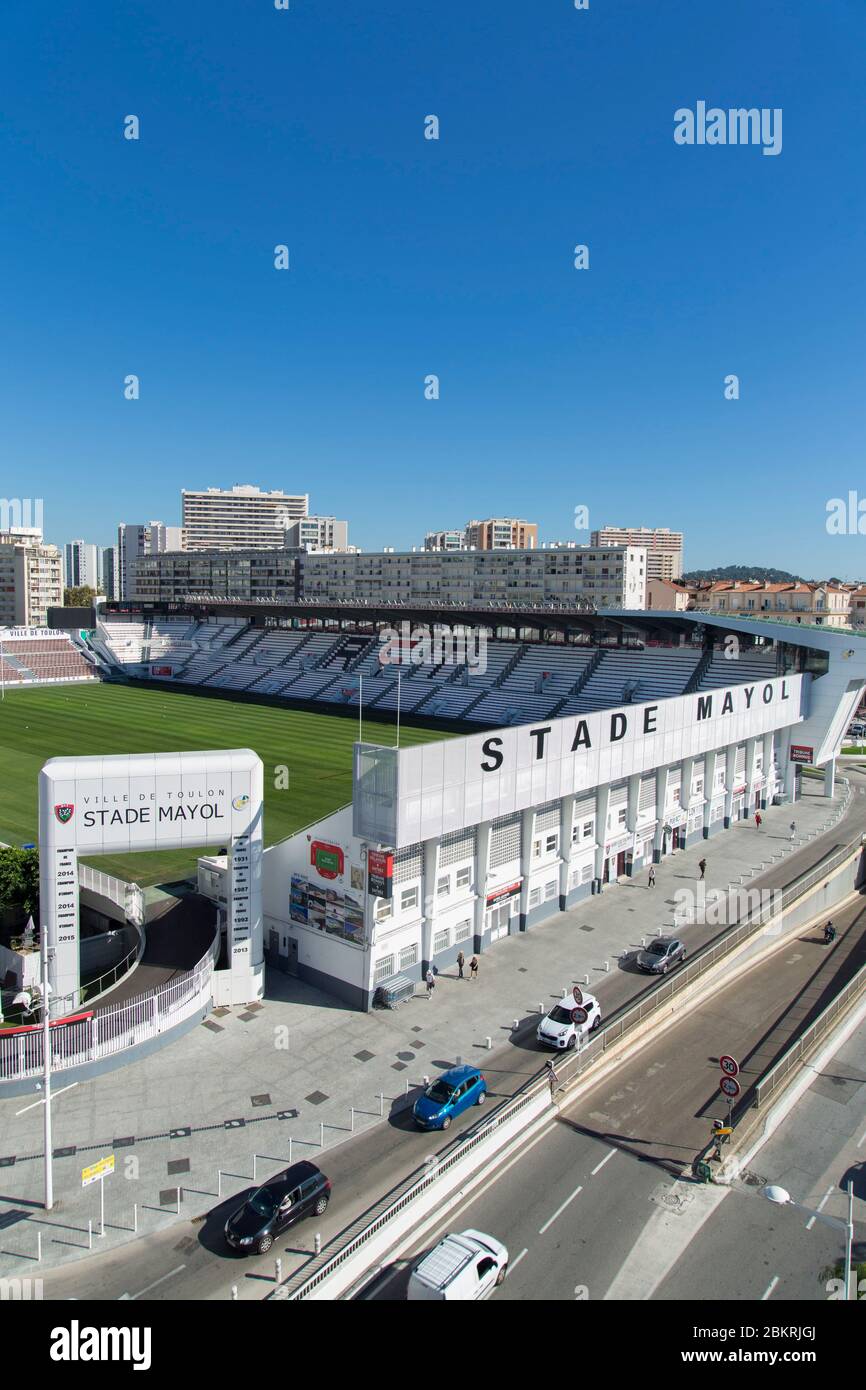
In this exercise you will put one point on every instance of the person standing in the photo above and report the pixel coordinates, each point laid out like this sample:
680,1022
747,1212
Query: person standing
431,983
793,828
473,968
702,865
552,1079
757,820
651,882
461,961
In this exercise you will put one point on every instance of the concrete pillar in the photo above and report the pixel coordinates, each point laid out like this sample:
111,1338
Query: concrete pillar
767,769
482,856
428,900
789,769
527,820
730,774
830,777
602,804
566,821
662,779
710,763
751,750
631,815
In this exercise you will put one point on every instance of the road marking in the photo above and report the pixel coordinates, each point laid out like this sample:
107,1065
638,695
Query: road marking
560,1210
812,1219
516,1262
598,1167
161,1280
773,1282
862,1140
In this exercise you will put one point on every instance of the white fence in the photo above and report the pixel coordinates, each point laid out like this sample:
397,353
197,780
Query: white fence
110,1030
127,895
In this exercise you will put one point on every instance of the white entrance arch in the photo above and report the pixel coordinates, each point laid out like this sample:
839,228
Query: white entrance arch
152,801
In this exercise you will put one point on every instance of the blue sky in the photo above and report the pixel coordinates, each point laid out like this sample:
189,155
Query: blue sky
602,388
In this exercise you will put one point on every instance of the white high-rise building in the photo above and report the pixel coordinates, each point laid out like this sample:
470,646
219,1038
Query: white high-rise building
240,518
154,538
318,533
80,565
664,548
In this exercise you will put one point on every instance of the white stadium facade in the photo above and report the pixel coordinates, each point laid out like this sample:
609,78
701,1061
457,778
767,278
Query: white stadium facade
641,734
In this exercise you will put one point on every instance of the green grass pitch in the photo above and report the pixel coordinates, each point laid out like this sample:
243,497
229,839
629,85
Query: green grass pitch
53,721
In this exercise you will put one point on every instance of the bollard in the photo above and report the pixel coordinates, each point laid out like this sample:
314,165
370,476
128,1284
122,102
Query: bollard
39,1247
234,1292
426,1081
135,1218
318,1243
607,965
219,1182
352,1109
255,1156
178,1201
278,1271
515,1024
642,942
564,993
458,1062
586,979
489,1044
541,1008
290,1150
406,1092
382,1104
90,1235
321,1134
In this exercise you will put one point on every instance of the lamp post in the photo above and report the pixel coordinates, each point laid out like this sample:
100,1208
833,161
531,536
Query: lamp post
46,1057
781,1198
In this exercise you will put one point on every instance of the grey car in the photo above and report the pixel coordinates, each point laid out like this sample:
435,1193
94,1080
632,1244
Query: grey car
661,955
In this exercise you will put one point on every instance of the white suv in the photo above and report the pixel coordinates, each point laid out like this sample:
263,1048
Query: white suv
558,1028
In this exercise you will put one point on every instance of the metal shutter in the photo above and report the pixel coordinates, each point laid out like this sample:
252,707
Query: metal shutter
504,841
547,817
455,847
618,796
647,798
407,864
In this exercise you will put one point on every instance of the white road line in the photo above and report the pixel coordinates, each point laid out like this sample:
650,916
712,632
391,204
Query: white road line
773,1282
862,1140
598,1167
820,1207
514,1263
161,1280
560,1210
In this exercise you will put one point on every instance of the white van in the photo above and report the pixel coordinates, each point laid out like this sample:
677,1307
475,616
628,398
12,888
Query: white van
465,1266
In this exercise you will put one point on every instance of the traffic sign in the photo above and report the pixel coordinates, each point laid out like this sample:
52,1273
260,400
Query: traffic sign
578,994
729,1087
729,1066
98,1170
579,1015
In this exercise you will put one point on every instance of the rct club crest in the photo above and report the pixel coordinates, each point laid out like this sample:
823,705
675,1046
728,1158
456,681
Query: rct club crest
64,813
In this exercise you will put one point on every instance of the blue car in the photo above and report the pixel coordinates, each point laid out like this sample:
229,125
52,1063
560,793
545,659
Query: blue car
449,1095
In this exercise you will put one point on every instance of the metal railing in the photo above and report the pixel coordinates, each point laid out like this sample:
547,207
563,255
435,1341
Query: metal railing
129,896
112,1029
794,1057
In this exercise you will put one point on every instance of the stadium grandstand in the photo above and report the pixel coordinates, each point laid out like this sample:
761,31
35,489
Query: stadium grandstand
514,680
43,656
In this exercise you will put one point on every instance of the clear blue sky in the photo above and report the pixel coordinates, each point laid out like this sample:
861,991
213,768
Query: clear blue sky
410,257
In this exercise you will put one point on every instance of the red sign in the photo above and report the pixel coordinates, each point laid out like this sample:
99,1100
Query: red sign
160,670
578,994
508,892
729,1087
729,1066
579,1015
801,754
380,873
326,859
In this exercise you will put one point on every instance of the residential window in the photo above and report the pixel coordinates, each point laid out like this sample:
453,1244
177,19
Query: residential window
384,909
462,931
443,886
550,890
536,849
587,830
408,956
408,899
441,942
551,844
464,877
621,817
384,969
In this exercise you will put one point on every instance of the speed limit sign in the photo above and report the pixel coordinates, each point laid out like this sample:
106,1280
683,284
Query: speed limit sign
729,1066
577,992
729,1087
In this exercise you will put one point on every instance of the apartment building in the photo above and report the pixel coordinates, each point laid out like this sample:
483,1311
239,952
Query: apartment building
501,533
445,540
109,576
135,540
664,548
245,576
826,605
81,565
31,578
240,518
317,533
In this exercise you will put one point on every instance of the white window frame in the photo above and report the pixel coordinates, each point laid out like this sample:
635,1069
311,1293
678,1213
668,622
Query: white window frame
409,899
384,909
464,877
443,886
463,931
441,941
381,974
551,890
408,956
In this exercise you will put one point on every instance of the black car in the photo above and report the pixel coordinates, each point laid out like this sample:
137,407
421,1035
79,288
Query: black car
297,1192
660,955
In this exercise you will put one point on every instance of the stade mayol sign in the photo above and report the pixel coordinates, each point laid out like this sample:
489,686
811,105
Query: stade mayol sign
619,725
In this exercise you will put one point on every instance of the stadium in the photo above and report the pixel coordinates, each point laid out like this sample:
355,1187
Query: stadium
414,808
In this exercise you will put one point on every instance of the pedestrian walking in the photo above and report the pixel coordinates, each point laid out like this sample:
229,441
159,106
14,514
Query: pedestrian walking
552,1079
757,820
651,883
461,961
702,865
793,828
431,983
473,968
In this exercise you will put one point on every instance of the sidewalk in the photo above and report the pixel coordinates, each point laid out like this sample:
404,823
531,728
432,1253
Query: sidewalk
248,1079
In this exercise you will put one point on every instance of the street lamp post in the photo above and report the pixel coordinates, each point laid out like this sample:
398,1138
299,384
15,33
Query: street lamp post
781,1198
46,1057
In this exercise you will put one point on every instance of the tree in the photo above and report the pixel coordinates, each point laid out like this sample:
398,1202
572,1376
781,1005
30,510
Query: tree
19,881
79,596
